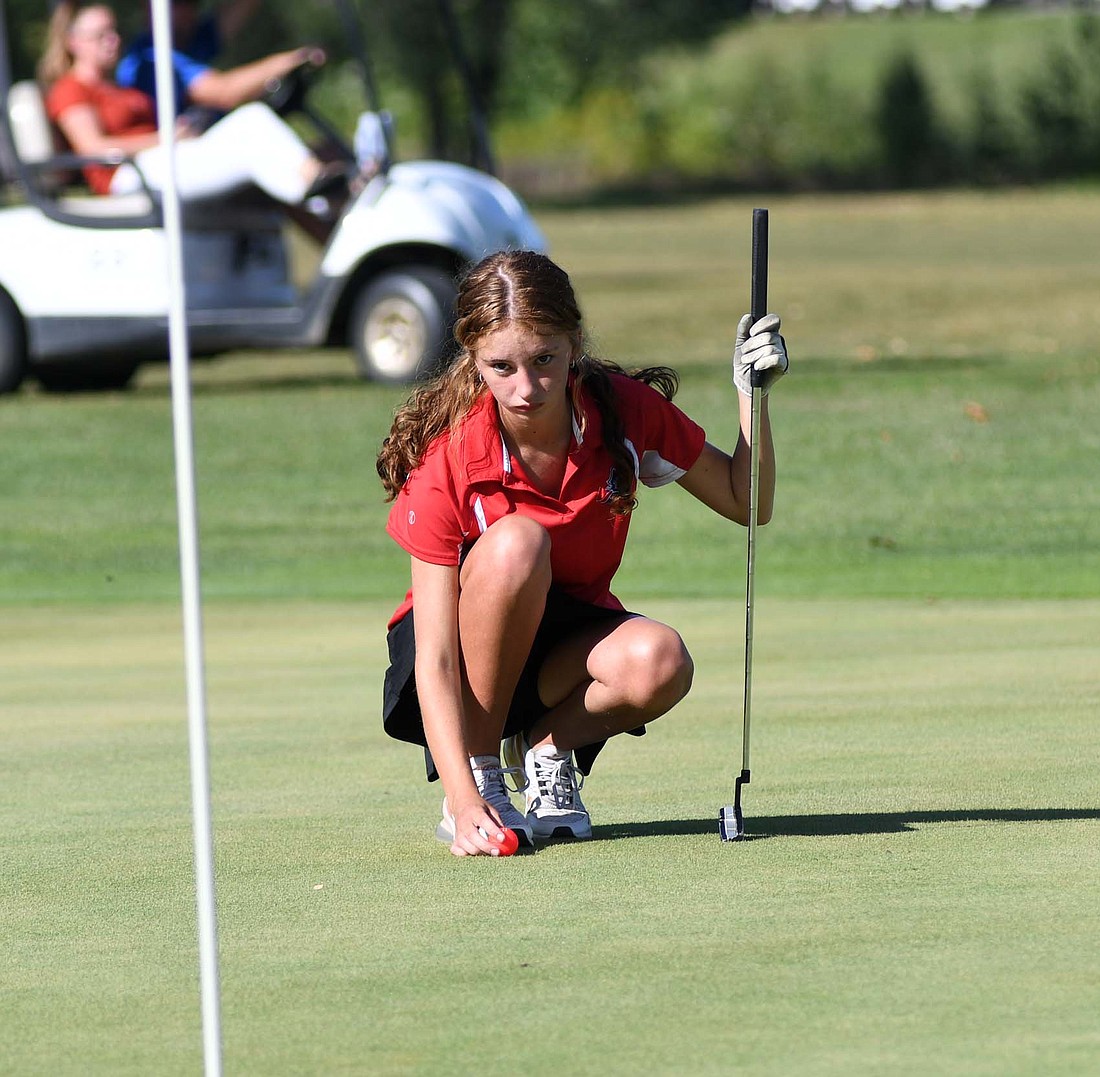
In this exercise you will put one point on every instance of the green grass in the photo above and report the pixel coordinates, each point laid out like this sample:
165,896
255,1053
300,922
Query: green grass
909,320
922,896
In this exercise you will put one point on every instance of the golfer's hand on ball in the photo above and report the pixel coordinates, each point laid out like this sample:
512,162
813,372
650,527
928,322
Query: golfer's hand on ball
476,830
759,347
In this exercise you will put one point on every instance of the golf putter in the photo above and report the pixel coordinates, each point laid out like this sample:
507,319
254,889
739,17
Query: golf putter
731,819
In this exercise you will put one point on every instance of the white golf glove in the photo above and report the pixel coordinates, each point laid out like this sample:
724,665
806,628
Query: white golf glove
759,347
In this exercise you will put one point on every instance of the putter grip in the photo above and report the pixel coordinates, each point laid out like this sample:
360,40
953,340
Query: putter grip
759,304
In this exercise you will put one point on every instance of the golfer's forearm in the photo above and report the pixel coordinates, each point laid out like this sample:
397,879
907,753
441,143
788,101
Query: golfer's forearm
766,500
740,465
441,712
453,765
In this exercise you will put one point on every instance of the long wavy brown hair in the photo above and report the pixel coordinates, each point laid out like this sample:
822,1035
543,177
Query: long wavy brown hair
507,288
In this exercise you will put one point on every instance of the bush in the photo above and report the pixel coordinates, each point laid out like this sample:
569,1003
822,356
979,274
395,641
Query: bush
991,149
913,100
914,150
1060,102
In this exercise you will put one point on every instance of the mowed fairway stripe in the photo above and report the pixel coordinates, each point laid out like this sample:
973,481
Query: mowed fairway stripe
922,896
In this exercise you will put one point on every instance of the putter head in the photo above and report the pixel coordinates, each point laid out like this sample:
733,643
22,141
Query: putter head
731,823
731,820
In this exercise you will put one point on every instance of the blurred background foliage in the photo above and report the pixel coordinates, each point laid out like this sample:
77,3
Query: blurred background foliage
596,96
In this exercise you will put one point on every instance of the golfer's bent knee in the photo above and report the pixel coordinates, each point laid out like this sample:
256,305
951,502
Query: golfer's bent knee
513,553
674,671
660,669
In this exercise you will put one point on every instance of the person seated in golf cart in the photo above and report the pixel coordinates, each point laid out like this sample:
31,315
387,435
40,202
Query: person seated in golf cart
513,475
99,118
202,91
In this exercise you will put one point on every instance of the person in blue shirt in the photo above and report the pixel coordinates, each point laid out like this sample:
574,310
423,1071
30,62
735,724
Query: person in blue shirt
198,38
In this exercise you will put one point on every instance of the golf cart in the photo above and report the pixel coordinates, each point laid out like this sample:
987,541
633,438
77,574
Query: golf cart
83,279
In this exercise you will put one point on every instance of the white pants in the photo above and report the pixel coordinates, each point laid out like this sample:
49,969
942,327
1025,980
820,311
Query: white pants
249,145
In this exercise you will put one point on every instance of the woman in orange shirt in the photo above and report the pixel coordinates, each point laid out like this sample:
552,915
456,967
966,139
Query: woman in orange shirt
100,118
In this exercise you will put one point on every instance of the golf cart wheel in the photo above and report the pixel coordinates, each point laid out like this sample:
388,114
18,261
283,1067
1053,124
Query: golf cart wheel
13,346
400,326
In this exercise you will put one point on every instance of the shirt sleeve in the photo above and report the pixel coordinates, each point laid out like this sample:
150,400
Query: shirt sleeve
187,69
137,70
425,519
65,93
665,441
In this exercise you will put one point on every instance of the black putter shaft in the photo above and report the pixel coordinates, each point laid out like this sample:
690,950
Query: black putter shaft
732,820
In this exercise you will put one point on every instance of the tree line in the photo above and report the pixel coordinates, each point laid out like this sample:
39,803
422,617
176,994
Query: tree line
657,94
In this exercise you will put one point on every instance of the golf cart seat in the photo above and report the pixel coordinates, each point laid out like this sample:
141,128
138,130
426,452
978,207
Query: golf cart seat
33,137
53,179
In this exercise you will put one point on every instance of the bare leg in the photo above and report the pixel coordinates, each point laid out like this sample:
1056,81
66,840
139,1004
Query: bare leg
503,583
607,680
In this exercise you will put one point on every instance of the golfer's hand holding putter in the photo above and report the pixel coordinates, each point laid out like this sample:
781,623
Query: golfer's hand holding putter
514,475
759,348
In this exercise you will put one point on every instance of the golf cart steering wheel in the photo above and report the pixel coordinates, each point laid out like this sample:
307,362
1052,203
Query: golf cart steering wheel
287,94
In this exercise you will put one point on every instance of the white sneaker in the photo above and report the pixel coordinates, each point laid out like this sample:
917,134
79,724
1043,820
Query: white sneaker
554,807
489,776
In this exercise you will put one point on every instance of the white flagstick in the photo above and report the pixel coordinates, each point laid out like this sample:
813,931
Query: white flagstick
179,359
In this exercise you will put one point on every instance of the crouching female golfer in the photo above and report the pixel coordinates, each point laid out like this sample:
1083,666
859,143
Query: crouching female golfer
513,476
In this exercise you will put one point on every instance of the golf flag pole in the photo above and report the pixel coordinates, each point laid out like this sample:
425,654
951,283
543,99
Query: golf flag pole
179,359
731,820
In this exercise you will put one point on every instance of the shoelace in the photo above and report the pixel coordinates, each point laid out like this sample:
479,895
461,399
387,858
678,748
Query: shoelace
492,785
519,778
558,781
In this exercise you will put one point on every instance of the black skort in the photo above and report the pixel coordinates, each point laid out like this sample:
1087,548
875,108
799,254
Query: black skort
562,618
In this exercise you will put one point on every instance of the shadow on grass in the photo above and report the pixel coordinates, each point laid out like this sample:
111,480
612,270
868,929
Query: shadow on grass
838,825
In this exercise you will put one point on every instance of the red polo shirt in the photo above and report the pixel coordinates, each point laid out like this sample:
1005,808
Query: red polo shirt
468,479
119,111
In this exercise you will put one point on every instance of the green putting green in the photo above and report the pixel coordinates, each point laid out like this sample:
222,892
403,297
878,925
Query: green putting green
921,895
